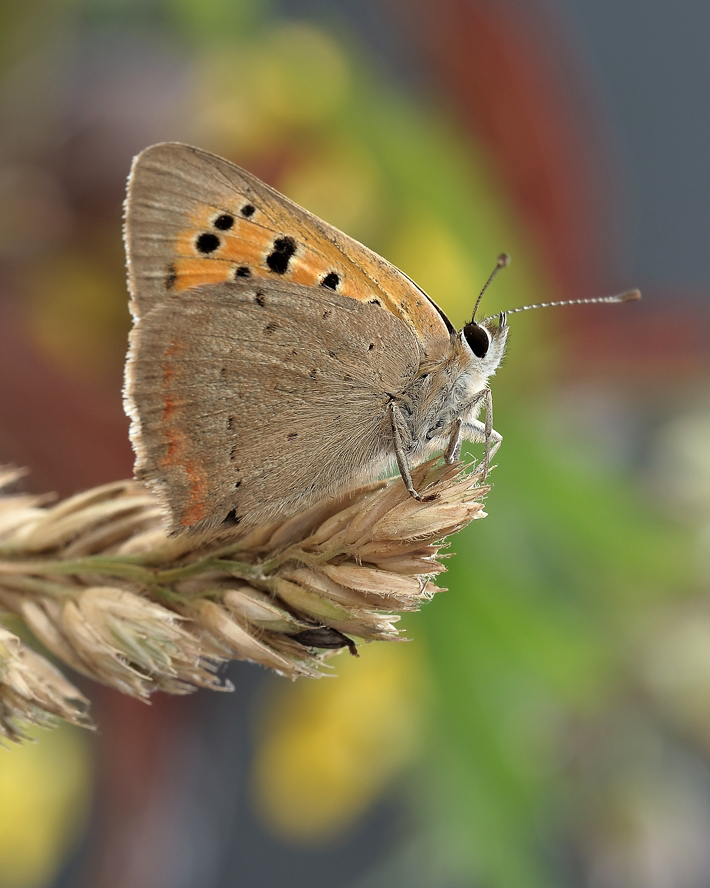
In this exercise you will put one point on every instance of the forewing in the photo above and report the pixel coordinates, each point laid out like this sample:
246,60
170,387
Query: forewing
193,218
251,401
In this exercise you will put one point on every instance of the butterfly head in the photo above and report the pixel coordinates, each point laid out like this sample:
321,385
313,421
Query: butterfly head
487,341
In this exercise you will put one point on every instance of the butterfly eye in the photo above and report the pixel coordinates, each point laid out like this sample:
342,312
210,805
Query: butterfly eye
477,338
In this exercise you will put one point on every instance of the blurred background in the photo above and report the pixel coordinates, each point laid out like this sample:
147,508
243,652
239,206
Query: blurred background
549,723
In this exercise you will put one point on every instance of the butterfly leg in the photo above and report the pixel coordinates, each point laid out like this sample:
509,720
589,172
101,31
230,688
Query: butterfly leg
488,402
453,448
475,430
399,429
489,451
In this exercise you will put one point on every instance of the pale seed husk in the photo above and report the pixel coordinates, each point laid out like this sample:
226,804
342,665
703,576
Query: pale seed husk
99,582
33,692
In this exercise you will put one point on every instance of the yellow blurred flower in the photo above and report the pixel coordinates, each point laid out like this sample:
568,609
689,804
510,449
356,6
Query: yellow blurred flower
44,798
77,313
431,253
250,97
340,181
301,73
327,750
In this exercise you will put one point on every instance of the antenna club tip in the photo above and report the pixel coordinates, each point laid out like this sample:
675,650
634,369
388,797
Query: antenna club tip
503,260
630,296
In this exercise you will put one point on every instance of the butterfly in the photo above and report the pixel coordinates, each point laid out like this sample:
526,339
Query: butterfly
275,361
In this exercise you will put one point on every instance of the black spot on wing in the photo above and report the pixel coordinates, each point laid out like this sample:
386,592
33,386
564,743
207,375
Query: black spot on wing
260,299
271,326
231,519
247,211
170,276
230,423
292,435
374,302
242,272
207,243
280,256
331,280
224,222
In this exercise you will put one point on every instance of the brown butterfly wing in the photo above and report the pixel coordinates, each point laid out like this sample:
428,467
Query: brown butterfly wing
251,401
193,218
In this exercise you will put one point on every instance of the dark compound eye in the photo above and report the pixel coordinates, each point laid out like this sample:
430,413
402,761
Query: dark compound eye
207,243
478,339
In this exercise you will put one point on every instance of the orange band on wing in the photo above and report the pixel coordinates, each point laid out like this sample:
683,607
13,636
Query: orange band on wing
197,272
178,448
209,254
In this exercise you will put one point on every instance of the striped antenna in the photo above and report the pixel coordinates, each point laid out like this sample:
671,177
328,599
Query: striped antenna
629,296
501,262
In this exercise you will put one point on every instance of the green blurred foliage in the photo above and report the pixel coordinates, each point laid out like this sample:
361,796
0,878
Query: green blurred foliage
532,646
